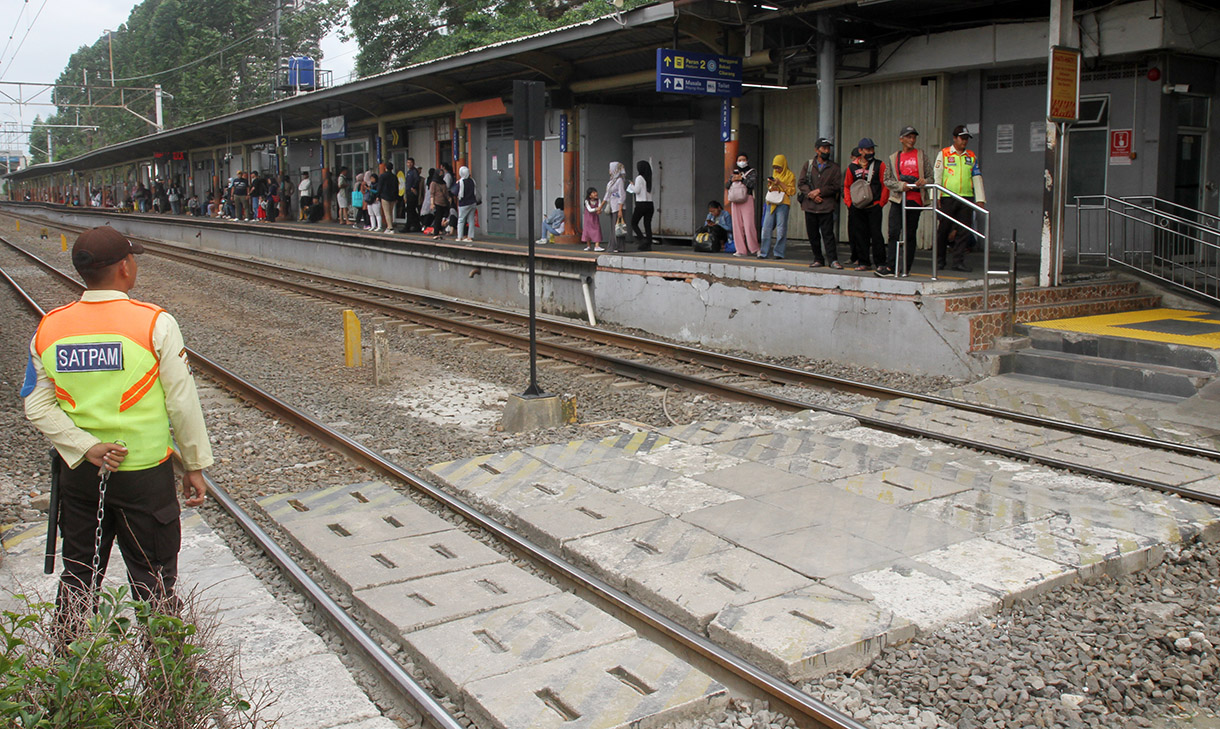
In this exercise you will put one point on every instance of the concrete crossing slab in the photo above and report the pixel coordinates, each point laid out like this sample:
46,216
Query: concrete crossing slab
819,552
900,486
680,495
370,565
930,601
285,508
361,524
1010,573
639,441
574,453
746,520
703,432
1092,548
471,474
811,421
631,684
615,555
617,474
802,634
980,511
551,525
753,479
506,494
405,607
694,591
689,460
510,638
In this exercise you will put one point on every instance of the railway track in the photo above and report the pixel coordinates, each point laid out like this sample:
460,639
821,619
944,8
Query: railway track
667,364
809,710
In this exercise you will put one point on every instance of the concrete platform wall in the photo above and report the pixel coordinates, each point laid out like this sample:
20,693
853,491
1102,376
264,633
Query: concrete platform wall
774,311
471,273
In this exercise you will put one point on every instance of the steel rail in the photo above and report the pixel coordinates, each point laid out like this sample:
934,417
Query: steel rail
804,704
340,620
655,375
729,363
663,377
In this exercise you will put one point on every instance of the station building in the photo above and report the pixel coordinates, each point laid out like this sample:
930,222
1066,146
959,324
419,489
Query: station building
839,69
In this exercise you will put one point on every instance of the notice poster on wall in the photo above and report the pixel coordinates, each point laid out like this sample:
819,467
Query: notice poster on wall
1120,146
1004,136
1037,136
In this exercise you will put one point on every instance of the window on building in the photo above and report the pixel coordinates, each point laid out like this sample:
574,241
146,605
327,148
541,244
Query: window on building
1089,149
353,155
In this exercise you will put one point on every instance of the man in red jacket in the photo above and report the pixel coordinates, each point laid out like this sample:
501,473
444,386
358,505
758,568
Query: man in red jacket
864,212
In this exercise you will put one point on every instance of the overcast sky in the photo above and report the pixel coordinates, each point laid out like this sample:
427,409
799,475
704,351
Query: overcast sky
46,32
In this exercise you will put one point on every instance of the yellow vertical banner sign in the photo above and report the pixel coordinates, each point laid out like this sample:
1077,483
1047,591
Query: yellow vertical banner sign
351,339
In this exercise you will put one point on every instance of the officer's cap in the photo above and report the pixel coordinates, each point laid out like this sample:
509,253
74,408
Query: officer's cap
961,130
100,247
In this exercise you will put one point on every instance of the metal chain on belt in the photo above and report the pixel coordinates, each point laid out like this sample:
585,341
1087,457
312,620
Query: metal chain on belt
101,513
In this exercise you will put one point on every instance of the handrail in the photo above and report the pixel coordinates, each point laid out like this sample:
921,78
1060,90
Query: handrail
985,233
1162,201
1170,233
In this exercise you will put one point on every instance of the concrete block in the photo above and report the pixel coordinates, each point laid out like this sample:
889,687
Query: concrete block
342,530
820,552
812,421
1091,548
532,413
802,634
333,698
928,601
510,493
980,511
617,474
1012,574
753,479
616,555
688,460
746,520
899,486
694,591
630,684
489,644
369,565
704,432
640,441
470,474
574,453
1193,517
1165,529
284,508
678,496
404,607
770,446
551,525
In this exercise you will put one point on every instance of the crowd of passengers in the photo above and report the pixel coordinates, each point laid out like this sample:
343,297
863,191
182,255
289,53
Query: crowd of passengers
441,204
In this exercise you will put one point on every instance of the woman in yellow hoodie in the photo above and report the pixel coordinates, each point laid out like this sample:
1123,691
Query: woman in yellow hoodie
781,186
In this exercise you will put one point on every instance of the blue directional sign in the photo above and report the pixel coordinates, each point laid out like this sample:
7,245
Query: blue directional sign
700,74
726,120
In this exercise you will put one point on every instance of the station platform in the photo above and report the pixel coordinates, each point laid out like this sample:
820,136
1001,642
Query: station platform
279,659
942,326
1186,327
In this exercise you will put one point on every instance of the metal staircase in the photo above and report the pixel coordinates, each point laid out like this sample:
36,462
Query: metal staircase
1172,243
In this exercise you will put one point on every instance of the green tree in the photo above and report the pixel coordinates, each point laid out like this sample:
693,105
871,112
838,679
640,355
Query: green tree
211,56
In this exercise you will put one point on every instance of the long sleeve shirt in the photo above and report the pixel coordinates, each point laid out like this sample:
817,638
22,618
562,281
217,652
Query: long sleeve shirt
181,399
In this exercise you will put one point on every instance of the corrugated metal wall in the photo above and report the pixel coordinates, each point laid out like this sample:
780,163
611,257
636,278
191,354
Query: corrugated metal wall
790,124
880,111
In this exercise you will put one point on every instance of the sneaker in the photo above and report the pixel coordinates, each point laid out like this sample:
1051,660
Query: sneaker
587,248
884,272
540,242
599,248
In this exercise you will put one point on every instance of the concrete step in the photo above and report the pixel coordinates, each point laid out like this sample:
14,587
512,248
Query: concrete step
1123,349
1143,377
1033,297
985,327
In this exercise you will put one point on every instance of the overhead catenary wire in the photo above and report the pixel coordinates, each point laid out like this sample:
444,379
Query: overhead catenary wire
17,50
201,59
13,32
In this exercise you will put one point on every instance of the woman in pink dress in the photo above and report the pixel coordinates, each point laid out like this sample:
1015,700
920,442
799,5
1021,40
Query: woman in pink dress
591,233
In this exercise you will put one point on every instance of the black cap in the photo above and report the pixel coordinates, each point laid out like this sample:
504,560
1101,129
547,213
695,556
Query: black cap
961,130
908,130
824,142
100,247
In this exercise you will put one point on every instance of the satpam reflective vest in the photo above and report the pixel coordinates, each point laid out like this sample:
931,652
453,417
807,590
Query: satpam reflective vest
958,170
101,358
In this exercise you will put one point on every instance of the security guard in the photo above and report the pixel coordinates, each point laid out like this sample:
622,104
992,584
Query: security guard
107,378
957,169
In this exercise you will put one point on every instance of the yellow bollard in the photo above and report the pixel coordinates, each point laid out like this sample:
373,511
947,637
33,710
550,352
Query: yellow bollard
18,226
351,339
63,242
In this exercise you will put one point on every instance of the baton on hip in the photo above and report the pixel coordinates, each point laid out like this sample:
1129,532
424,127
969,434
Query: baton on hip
48,566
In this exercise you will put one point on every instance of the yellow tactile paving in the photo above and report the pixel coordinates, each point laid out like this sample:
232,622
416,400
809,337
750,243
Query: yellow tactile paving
1143,325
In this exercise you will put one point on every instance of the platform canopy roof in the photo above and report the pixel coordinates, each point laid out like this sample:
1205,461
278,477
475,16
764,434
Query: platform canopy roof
607,59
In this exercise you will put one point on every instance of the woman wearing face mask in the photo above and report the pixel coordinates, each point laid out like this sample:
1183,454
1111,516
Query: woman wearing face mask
781,186
642,210
740,188
467,201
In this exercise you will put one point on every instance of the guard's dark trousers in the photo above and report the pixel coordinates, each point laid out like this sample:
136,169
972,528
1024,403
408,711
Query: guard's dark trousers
141,513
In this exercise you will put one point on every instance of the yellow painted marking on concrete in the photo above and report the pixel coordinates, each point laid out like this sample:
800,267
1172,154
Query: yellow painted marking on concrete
37,530
351,339
1112,325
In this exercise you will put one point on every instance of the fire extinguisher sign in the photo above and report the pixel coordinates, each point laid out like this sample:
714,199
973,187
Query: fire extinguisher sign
1121,146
